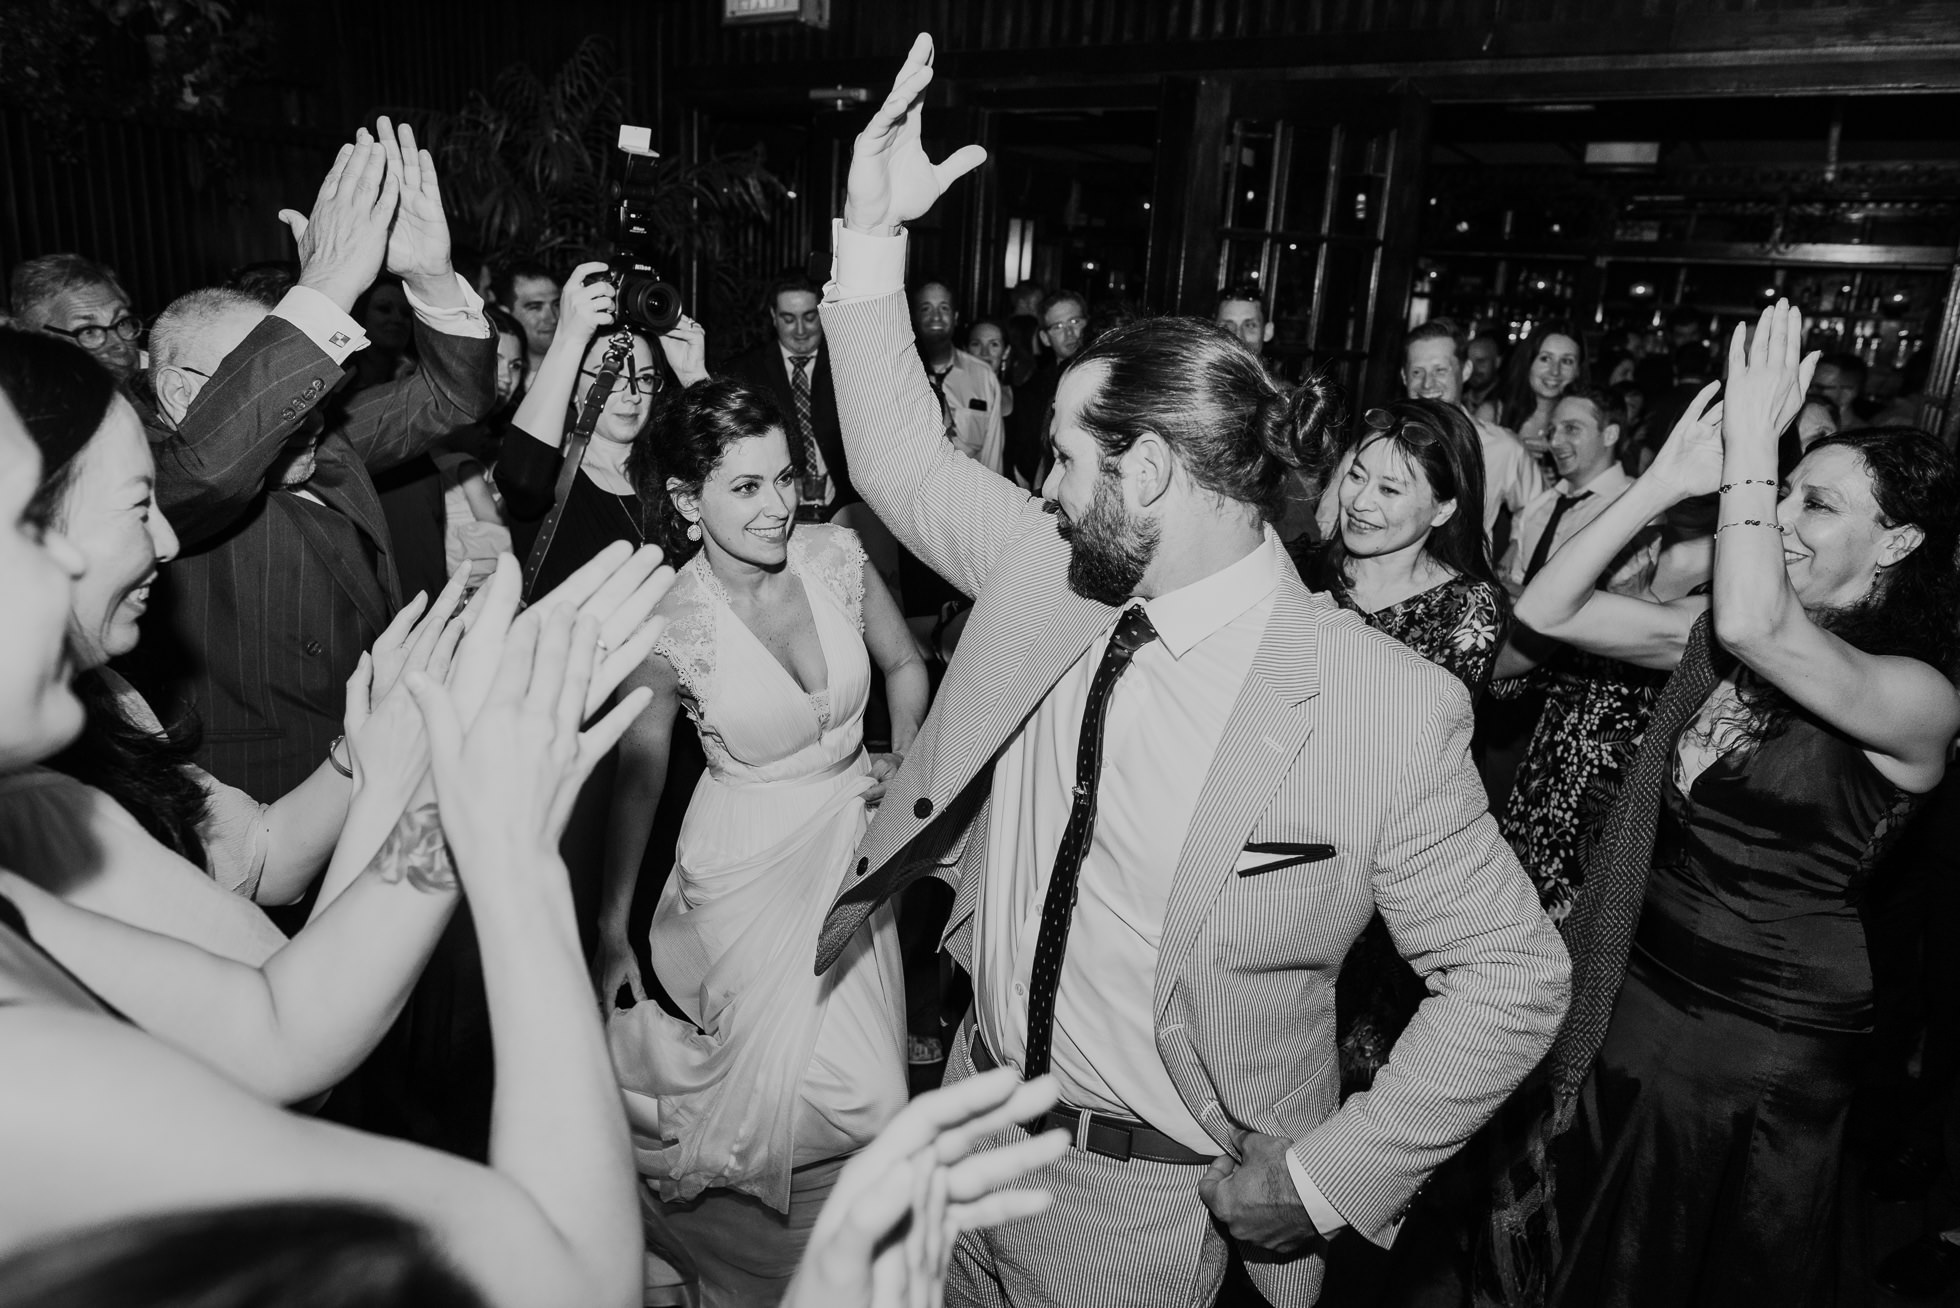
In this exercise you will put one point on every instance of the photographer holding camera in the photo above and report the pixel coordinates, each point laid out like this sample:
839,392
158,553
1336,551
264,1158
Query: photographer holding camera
599,505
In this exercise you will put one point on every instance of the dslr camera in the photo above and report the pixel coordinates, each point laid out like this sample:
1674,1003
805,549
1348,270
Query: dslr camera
641,299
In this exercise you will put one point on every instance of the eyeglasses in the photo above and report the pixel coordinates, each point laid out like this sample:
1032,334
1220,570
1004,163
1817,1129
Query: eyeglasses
1075,324
643,383
93,337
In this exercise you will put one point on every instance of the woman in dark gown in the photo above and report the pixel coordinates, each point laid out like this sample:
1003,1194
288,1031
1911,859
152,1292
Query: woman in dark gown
1808,711
1404,558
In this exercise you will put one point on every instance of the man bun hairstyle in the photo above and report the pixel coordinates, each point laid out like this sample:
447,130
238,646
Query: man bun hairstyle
1233,428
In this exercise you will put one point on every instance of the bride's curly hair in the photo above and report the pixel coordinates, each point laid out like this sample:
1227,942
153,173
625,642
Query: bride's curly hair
695,428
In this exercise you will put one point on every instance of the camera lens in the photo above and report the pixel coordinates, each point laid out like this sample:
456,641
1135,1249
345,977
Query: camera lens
647,303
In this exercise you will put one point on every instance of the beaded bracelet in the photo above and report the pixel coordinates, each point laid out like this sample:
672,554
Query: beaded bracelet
1748,522
1746,481
332,757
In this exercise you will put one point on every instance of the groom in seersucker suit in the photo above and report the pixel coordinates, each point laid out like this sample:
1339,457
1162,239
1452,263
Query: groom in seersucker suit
1171,786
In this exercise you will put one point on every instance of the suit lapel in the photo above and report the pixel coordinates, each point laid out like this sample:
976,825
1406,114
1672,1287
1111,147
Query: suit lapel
1006,672
1269,725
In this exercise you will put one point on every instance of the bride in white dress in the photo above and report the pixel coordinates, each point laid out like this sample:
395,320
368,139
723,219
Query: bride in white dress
743,1113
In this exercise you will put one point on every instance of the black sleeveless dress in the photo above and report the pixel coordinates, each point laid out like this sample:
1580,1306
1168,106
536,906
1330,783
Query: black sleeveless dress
1704,1166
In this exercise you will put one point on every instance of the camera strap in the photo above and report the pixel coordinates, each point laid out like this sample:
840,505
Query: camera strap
576,442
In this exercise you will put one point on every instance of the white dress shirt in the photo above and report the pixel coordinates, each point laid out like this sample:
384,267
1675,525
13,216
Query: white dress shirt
1512,478
973,405
338,335
1632,569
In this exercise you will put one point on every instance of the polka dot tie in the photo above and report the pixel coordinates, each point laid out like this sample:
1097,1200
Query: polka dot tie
1132,633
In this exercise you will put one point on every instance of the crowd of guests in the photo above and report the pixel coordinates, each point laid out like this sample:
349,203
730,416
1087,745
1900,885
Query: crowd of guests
1277,826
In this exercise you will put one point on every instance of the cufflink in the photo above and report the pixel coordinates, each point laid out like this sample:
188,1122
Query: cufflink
339,339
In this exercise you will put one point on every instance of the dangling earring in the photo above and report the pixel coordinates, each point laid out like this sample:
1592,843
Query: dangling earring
694,531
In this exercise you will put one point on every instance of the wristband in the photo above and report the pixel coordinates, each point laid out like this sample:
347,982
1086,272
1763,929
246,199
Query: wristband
1749,522
1726,487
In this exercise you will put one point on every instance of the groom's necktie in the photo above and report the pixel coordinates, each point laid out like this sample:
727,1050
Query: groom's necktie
1133,632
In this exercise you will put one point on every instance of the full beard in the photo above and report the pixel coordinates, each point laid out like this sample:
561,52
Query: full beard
1108,550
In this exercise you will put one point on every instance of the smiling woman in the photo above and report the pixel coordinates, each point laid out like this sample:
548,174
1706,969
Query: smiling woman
1809,712
748,1094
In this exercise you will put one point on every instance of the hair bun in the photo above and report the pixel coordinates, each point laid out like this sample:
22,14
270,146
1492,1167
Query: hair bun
1298,427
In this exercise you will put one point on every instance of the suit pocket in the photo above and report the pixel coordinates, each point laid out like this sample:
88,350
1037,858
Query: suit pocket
1262,857
1307,1105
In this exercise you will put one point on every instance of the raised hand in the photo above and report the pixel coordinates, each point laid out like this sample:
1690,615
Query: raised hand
385,741
1767,376
343,241
618,587
583,310
686,350
1691,461
891,180
918,1167
507,781
418,244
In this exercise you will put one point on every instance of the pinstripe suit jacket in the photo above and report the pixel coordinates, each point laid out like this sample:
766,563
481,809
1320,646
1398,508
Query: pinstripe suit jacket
258,623
1340,736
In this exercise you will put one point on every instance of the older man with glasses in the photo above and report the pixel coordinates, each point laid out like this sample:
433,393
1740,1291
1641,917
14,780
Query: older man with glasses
75,297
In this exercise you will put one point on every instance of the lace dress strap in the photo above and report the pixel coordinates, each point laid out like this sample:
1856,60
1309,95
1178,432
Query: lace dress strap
834,558
688,643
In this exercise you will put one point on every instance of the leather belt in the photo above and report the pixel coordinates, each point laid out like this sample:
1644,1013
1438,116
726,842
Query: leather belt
1120,1138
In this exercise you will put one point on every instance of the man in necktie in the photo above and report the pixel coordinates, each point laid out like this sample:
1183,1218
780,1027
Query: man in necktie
1170,786
792,368
1586,430
967,389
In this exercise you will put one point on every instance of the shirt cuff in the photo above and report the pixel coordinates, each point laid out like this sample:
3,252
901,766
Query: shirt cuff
465,321
325,325
1325,1219
864,267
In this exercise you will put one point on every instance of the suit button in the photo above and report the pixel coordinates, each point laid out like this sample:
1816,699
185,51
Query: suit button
922,810
311,647
864,865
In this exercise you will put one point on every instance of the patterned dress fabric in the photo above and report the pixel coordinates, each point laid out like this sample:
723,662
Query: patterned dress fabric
1595,715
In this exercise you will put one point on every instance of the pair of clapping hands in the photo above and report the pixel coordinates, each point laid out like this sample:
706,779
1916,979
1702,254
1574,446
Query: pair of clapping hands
379,207
1768,378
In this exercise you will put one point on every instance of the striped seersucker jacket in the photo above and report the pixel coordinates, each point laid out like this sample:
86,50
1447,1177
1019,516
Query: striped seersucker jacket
1340,736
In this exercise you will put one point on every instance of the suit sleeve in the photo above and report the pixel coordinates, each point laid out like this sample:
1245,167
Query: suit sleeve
213,468
455,386
1465,916
951,512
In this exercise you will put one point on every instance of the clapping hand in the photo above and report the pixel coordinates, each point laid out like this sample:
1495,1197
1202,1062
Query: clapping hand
1690,463
343,241
865,1251
891,180
418,243
618,587
507,779
385,741
1768,376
